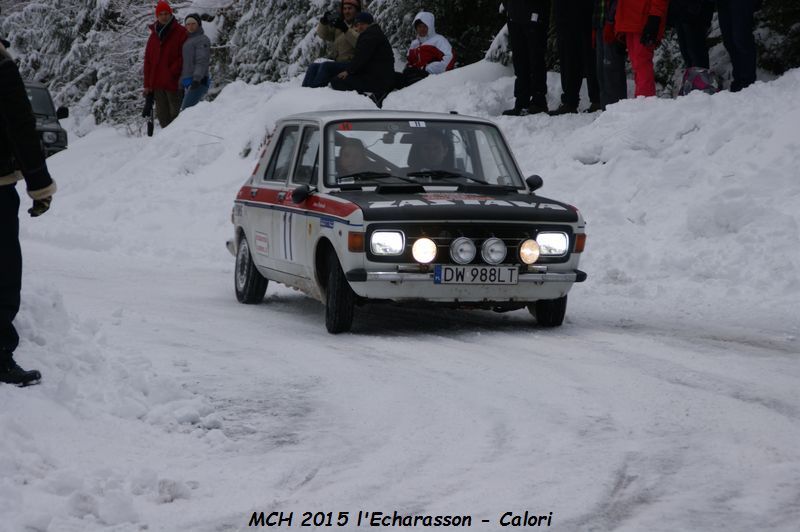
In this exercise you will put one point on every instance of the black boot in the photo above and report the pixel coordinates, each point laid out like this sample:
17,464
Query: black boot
11,373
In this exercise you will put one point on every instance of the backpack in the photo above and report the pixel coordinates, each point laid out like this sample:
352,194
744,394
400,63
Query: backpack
699,79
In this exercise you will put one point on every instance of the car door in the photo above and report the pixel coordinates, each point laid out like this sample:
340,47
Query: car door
267,240
299,223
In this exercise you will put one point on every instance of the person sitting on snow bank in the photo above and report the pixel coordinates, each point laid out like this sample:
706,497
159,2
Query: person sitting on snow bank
429,53
342,33
21,156
372,69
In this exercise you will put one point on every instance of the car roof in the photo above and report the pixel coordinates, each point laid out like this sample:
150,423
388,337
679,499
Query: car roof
323,117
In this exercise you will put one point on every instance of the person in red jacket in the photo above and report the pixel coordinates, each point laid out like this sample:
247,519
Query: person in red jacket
163,60
641,23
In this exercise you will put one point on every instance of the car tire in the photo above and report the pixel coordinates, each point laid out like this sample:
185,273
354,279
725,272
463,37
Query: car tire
249,283
549,312
340,300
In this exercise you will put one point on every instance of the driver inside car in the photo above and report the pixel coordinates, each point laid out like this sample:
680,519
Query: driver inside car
352,158
430,152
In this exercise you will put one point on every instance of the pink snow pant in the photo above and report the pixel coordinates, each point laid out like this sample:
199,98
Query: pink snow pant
641,57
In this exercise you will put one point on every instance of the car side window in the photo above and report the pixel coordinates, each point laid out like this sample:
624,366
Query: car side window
305,172
281,162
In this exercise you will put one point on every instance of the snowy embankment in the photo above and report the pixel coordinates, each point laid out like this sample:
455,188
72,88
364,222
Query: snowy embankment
151,368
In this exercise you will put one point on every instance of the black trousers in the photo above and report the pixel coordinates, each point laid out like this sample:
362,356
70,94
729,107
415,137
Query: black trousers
360,83
575,52
736,24
10,267
528,42
691,27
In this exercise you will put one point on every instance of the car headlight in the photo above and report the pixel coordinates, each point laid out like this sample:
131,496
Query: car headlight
552,244
493,250
387,243
529,251
49,137
424,250
462,250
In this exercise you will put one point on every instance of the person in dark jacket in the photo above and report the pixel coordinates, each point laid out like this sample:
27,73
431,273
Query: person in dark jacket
691,20
196,57
163,60
576,55
736,25
372,68
21,156
612,79
528,23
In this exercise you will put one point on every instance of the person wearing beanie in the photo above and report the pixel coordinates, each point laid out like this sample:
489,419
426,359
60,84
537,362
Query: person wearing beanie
196,57
21,157
163,61
372,69
341,33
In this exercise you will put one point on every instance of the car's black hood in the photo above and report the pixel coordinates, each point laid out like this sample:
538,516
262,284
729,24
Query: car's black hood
384,205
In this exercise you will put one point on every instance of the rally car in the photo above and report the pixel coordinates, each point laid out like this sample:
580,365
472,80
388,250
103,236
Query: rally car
52,135
407,208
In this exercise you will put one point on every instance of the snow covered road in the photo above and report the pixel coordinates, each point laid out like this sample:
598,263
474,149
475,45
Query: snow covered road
668,400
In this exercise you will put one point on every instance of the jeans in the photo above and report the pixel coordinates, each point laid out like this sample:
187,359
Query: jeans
192,96
320,74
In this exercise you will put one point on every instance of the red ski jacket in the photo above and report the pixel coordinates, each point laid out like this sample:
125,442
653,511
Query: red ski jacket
163,57
632,15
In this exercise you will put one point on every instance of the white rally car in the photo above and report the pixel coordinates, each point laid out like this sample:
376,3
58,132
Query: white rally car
410,208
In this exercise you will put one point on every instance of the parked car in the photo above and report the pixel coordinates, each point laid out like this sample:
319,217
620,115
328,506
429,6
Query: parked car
409,208
53,136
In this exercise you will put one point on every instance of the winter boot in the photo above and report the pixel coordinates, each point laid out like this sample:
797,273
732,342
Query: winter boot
535,108
11,373
564,109
594,107
515,111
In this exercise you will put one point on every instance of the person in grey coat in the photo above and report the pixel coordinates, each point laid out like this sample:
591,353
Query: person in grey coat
196,56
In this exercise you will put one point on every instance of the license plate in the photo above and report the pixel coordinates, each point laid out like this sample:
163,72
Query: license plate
444,274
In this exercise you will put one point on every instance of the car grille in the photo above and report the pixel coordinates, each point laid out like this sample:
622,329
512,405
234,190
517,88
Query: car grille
444,233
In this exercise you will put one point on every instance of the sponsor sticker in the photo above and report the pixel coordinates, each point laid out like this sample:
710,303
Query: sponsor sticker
326,222
262,244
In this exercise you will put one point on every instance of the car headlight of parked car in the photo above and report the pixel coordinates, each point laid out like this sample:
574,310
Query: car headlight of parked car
387,243
552,244
50,137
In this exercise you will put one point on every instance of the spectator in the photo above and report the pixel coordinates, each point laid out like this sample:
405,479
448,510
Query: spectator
736,24
611,78
429,53
196,56
163,63
692,22
21,156
372,69
528,23
641,23
575,54
342,33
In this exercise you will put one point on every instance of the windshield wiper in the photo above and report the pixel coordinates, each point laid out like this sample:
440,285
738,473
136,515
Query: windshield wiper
444,174
366,176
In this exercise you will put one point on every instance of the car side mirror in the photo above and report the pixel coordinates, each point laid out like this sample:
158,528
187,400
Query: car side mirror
301,193
534,182
62,113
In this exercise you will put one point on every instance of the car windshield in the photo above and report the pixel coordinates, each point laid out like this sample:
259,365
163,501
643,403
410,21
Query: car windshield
440,152
40,101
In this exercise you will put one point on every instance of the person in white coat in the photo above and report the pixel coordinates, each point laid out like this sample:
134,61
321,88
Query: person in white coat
429,53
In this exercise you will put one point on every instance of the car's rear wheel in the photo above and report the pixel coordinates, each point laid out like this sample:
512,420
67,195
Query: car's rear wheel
250,284
549,312
340,300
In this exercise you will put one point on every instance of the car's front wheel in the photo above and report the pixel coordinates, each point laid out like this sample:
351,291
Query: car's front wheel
340,300
250,284
549,312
